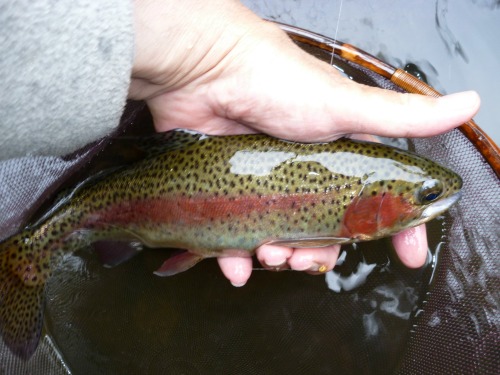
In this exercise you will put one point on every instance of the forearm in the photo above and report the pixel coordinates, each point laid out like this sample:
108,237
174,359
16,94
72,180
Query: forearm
65,71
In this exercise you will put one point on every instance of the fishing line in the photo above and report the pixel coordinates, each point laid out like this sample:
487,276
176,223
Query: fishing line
270,269
281,270
337,28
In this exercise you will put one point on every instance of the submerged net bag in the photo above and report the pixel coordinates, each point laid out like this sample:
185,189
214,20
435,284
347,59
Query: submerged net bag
370,315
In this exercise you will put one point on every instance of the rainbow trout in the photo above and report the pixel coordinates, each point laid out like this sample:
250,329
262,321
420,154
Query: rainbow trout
207,194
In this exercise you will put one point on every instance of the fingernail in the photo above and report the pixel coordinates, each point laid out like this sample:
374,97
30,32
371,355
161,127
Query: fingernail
322,268
317,269
238,285
461,101
276,262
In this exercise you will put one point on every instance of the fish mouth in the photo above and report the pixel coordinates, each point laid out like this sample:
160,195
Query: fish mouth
439,207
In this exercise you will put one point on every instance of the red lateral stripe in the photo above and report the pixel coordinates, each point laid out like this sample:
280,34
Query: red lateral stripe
202,208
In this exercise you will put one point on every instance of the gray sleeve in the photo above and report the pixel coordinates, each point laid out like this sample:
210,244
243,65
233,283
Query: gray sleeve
64,73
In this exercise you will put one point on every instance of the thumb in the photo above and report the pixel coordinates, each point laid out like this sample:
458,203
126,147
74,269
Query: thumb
382,112
293,95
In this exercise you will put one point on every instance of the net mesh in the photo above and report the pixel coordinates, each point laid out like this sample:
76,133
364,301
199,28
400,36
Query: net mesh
458,329
369,316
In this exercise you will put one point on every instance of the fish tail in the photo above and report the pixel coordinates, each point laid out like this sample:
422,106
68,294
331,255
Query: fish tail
24,270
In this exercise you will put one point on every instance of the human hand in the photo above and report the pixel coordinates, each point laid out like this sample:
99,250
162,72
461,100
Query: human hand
217,68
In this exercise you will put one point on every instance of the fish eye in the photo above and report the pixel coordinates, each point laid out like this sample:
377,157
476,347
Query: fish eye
429,191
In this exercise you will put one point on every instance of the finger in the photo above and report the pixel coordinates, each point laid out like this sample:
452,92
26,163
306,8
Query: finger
274,257
411,246
236,269
314,260
392,114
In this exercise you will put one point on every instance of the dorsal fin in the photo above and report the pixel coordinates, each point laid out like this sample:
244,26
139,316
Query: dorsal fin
153,144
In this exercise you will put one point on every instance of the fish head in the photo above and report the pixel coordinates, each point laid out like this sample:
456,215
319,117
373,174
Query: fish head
407,190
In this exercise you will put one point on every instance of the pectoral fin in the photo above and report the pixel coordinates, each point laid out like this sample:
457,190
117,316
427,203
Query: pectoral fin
178,263
113,253
310,242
